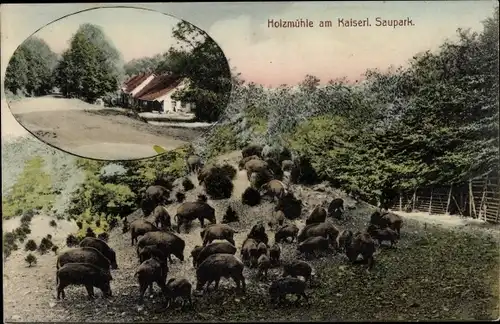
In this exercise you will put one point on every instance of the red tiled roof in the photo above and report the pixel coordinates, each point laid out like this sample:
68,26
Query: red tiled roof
158,87
135,81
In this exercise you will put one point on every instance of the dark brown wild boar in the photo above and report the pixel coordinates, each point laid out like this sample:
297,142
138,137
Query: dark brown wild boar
217,232
167,242
285,232
325,229
84,274
313,245
253,149
284,286
179,287
274,254
363,244
297,268
149,272
191,210
83,255
218,266
162,217
249,252
344,240
212,248
140,227
263,265
318,215
102,247
274,189
380,235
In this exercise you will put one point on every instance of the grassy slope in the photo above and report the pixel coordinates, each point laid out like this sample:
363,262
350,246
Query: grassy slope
434,273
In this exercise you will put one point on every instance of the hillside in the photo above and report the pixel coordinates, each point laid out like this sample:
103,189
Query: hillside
426,277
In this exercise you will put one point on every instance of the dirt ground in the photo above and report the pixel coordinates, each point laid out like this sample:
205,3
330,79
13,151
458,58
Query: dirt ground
30,292
78,128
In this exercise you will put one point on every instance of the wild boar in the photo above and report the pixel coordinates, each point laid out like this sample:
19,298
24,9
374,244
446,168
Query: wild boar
218,266
85,274
102,247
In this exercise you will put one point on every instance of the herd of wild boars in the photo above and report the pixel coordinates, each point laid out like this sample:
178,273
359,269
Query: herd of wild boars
217,256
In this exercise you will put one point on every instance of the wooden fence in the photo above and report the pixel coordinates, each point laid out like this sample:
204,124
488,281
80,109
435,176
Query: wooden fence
477,198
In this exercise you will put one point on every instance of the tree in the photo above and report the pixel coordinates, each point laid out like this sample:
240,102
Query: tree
200,60
30,246
16,75
143,65
30,259
92,67
53,223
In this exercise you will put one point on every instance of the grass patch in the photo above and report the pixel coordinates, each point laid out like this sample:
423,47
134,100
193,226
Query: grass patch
435,274
32,190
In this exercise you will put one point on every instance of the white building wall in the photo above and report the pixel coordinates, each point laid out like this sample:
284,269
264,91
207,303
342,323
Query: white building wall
168,104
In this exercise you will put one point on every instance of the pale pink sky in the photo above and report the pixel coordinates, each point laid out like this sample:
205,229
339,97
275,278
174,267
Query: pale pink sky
263,55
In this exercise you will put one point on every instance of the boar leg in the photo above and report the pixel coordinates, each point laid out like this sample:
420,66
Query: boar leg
90,291
142,291
60,291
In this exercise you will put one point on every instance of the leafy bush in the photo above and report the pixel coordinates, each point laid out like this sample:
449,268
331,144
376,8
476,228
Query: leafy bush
25,228
45,245
79,224
54,249
251,197
30,259
72,240
218,184
187,184
30,246
53,223
229,170
90,232
49,237
103,236
180,196
98,223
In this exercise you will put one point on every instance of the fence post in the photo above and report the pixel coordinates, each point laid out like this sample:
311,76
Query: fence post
414,198
430,202
449,199
485,188
471,200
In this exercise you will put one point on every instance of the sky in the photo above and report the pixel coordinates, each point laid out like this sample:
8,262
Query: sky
268,56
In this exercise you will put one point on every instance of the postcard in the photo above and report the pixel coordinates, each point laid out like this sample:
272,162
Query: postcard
250,161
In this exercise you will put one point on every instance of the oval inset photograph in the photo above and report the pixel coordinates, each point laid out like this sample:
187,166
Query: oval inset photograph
118,83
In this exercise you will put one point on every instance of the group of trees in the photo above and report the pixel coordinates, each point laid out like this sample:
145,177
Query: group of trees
433,122
30,70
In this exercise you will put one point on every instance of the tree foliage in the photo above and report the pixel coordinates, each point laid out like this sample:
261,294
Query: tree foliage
433,122
201,61
30,70
91,67
143,65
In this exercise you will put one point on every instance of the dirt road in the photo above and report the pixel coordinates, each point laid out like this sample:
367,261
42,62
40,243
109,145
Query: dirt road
77,128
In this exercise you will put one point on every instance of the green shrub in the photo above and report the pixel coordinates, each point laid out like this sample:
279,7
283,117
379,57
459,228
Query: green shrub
218,184
30,259
53,223
30,246
72,240
54,249
187,184
98,223
45,245
79,224
32,190
103,236
250,197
